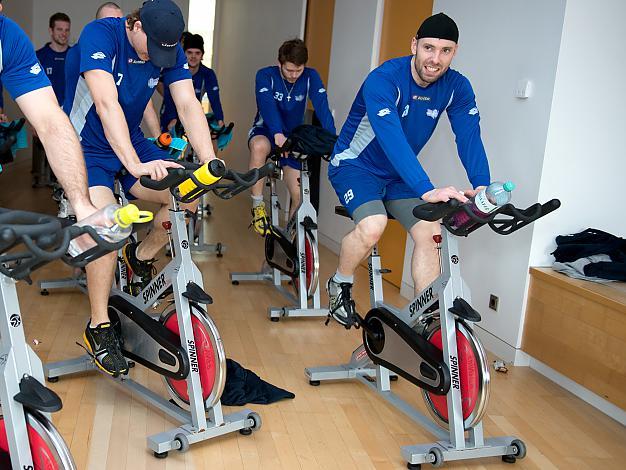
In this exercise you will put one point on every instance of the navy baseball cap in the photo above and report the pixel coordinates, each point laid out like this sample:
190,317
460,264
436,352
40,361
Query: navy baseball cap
163,23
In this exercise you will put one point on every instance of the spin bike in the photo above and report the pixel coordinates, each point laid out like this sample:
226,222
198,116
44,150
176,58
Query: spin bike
291,258
26,431
430,343
182,344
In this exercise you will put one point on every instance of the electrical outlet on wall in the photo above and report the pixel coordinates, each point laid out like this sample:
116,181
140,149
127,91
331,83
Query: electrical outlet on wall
493,302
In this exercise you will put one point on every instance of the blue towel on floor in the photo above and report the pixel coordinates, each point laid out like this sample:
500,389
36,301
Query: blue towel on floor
244,386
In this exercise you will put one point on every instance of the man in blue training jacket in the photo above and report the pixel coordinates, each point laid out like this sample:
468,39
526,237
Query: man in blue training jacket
281,95
374,167
52,55
22,76
204,81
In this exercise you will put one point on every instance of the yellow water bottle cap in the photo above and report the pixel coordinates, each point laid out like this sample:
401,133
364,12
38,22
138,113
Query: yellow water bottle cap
130,214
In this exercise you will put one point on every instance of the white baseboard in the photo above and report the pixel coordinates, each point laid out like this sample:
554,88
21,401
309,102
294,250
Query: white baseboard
606,407
495,345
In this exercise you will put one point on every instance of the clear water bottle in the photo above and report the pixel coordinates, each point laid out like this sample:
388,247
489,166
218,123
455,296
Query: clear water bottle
486,201
113,223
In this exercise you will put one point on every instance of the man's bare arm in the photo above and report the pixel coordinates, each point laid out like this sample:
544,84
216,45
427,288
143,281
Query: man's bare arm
151,120
61,144
192,117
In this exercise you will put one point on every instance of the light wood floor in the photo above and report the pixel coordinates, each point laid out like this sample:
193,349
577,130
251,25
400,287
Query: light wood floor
334,426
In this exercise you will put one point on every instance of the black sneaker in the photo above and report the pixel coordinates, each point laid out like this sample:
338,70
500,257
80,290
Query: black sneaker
103,344
139,272
341,306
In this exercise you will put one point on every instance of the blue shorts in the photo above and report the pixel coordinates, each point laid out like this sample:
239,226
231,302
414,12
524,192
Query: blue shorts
363,194
103,168
284,161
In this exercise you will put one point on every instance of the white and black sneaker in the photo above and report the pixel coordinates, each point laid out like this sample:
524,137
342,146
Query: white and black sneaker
341,306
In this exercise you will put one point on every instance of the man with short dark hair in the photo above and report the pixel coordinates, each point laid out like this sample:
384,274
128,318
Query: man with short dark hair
281,95
204,81
52,55
374,167
121,60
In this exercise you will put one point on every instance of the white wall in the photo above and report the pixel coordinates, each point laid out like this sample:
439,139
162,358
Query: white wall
354,52
248,34
585,162
499,44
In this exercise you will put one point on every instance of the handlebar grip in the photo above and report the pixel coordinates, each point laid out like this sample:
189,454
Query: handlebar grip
432,211
175,175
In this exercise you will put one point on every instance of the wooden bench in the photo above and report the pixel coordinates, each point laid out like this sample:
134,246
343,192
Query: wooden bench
578,328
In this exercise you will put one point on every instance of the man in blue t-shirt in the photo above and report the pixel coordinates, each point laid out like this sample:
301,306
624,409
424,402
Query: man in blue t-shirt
52,55
21,74
121,60
374,167
204,81
281,95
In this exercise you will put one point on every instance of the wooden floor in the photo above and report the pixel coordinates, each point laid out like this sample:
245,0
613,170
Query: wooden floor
334,426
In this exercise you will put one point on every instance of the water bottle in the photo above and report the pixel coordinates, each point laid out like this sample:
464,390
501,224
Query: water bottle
486,201
113,223
207,174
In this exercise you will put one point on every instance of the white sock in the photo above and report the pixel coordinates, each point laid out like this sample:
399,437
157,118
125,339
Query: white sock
257,201
340,278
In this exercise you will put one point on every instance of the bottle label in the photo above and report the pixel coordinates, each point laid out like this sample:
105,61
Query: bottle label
482,203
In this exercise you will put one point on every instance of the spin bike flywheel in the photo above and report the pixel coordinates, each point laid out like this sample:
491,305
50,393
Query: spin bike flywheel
48,449
210,355
312,264
473,371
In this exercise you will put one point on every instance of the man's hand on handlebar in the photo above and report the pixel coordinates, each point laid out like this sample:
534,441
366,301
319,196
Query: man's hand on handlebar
444,195
279,140
472,192
156,169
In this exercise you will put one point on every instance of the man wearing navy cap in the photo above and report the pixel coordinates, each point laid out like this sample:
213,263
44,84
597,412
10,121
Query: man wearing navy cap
375,168
121,61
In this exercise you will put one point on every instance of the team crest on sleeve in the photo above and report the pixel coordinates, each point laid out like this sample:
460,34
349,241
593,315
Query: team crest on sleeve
405,113
35,69
299,97
433,113
384,112
322,90
473,111
186,66
152,82
98,55
215,88
263,90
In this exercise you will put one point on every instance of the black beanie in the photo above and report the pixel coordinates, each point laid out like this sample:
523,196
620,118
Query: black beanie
194,41
439,26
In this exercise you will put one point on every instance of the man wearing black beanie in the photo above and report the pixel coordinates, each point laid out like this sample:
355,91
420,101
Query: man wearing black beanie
375,168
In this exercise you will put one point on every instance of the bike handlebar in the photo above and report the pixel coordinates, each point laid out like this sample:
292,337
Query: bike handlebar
515,220
238,181
46,239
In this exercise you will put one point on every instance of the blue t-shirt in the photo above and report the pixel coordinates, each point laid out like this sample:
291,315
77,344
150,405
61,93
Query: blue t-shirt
103,45
20,70
281,105
392,118
53,64
204,81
